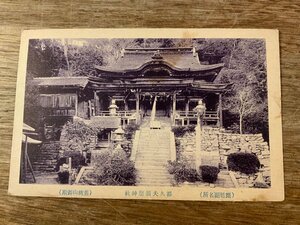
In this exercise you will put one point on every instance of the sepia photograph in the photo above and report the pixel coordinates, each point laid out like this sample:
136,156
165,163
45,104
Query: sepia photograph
169,113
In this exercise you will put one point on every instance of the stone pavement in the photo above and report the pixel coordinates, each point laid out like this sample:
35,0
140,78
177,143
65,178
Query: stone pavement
46,178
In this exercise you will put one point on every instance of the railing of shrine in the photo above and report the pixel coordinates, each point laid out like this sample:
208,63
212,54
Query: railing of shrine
192,114
119,113
190,117
60,111
211,115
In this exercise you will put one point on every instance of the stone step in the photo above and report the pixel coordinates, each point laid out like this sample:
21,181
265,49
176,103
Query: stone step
147,162
158,147
145,159
154,154
151,169
154,177
151,184
153,148
154,182
46,159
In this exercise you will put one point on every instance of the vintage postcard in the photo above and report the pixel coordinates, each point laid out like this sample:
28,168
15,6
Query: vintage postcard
168,114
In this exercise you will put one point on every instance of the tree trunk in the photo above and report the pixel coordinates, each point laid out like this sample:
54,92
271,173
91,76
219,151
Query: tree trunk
241,124
231,54
66,53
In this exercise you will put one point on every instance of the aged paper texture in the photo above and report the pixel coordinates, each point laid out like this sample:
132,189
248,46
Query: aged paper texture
169,114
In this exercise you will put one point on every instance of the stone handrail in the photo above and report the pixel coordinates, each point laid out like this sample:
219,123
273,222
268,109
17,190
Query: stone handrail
135,145
172,147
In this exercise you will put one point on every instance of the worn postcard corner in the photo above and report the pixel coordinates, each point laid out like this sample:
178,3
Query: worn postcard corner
168,114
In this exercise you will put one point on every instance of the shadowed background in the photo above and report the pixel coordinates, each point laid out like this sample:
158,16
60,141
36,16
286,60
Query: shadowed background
16,16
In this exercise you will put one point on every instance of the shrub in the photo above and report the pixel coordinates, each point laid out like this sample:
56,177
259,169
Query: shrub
179,131
78,135
60,162
77,160
130,130
114,168
209,173
63,177
127,147
182,172
178,149
247,163
261,185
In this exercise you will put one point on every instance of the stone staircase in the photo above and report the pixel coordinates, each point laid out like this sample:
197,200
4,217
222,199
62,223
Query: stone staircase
46,158
153,153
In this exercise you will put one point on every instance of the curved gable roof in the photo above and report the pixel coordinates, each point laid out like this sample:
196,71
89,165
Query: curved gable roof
180,59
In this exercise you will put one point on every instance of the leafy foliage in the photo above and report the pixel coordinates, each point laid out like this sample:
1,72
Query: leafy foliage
244,59
77,159
179,131
209,173
32,108
114,168
246,70
63,177
182,172
130,130
247,163
79,135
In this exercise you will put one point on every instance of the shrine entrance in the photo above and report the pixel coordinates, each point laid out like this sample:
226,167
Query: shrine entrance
162,106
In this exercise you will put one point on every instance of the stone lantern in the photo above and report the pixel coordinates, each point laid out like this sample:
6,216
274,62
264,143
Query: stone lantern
118,135
118,148
200,110
113,108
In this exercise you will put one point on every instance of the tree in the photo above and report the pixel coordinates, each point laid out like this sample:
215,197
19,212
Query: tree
45,57
244,104
245,68
244,59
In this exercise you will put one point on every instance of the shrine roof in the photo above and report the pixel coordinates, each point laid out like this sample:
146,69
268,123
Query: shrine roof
61,81
99,122
180,59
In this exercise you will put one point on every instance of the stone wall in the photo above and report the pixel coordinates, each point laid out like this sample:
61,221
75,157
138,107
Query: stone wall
217,144
185,147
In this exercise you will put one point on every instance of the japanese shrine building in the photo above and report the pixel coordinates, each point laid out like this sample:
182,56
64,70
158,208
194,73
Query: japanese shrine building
173,78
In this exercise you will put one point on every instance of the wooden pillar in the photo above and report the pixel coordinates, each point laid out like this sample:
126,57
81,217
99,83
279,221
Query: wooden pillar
174,106
187,107
96,99
220,111
137,105
90,109
70,170
76,104
25,160
125,105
